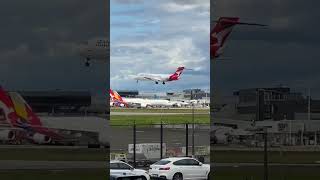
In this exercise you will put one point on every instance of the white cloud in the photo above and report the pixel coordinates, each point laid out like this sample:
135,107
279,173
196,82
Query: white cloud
174,7
178,38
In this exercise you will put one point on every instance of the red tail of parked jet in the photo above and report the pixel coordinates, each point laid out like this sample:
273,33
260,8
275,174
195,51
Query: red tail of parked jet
116,98
20,115
220,33
176,75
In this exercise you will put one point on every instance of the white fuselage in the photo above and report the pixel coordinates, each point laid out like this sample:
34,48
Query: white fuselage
149,102
153,77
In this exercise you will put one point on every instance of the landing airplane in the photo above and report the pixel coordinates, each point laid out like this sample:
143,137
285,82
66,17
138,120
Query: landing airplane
19,122
160,77
220,33
95,49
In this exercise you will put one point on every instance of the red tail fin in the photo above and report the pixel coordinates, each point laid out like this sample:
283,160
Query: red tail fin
116,98
7,108
20,114
220,33
177,74
27,118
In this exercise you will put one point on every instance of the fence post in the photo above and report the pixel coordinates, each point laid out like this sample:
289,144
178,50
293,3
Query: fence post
134,144
161,140
187,139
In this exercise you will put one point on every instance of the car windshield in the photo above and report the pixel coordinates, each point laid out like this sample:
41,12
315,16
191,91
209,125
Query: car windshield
162,162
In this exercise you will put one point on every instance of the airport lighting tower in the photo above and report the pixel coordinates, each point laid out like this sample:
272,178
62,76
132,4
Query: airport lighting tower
193,150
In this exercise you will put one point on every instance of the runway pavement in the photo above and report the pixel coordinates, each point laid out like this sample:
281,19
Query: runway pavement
152,114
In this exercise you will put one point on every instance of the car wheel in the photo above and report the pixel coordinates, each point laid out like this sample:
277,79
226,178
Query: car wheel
177,176
143,178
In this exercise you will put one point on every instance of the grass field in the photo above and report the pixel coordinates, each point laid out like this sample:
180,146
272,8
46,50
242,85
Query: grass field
53,154
275,173
257,156
96,174
201,116
157,119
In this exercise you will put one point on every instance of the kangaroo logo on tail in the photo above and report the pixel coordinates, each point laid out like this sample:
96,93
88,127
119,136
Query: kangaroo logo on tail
221,31
177,74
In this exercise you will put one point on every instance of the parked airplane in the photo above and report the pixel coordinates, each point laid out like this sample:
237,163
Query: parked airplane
160,77
18,115
117,100
18,122
220,33
96,49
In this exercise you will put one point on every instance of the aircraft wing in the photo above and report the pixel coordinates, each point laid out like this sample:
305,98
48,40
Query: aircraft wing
147,77
152,78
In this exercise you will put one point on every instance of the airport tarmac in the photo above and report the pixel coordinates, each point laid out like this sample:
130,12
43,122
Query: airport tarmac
122,136
152,114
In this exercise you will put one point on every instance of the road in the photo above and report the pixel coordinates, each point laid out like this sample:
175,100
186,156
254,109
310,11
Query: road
50,165
62,165
261,164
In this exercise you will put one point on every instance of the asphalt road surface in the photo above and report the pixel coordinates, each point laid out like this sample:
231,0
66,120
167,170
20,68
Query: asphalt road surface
261,164
50,165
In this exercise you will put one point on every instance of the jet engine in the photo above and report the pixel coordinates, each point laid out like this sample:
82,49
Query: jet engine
41,139
7,135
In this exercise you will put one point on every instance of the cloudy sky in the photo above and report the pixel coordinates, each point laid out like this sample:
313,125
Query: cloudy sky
151,36
284,53
39,40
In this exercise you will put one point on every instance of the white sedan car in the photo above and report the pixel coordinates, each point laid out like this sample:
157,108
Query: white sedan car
181,168
122,168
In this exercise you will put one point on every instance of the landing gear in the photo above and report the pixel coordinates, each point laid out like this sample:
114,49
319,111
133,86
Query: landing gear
163,83
87,62
156,82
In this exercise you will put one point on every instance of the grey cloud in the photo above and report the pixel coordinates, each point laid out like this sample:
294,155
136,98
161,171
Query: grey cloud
49,32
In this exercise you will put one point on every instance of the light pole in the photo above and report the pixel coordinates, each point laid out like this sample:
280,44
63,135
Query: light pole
193,150
265,153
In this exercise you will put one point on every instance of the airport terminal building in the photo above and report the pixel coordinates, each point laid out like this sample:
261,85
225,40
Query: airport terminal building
276,103
57,101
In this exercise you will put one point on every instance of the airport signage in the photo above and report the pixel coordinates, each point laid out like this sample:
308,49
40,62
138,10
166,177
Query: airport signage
150,150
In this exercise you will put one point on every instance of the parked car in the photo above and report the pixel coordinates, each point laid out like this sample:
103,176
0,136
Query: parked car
122,168
126,177
180,168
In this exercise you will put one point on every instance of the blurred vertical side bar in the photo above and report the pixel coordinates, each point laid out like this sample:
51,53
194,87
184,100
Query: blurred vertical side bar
107,78
211,91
